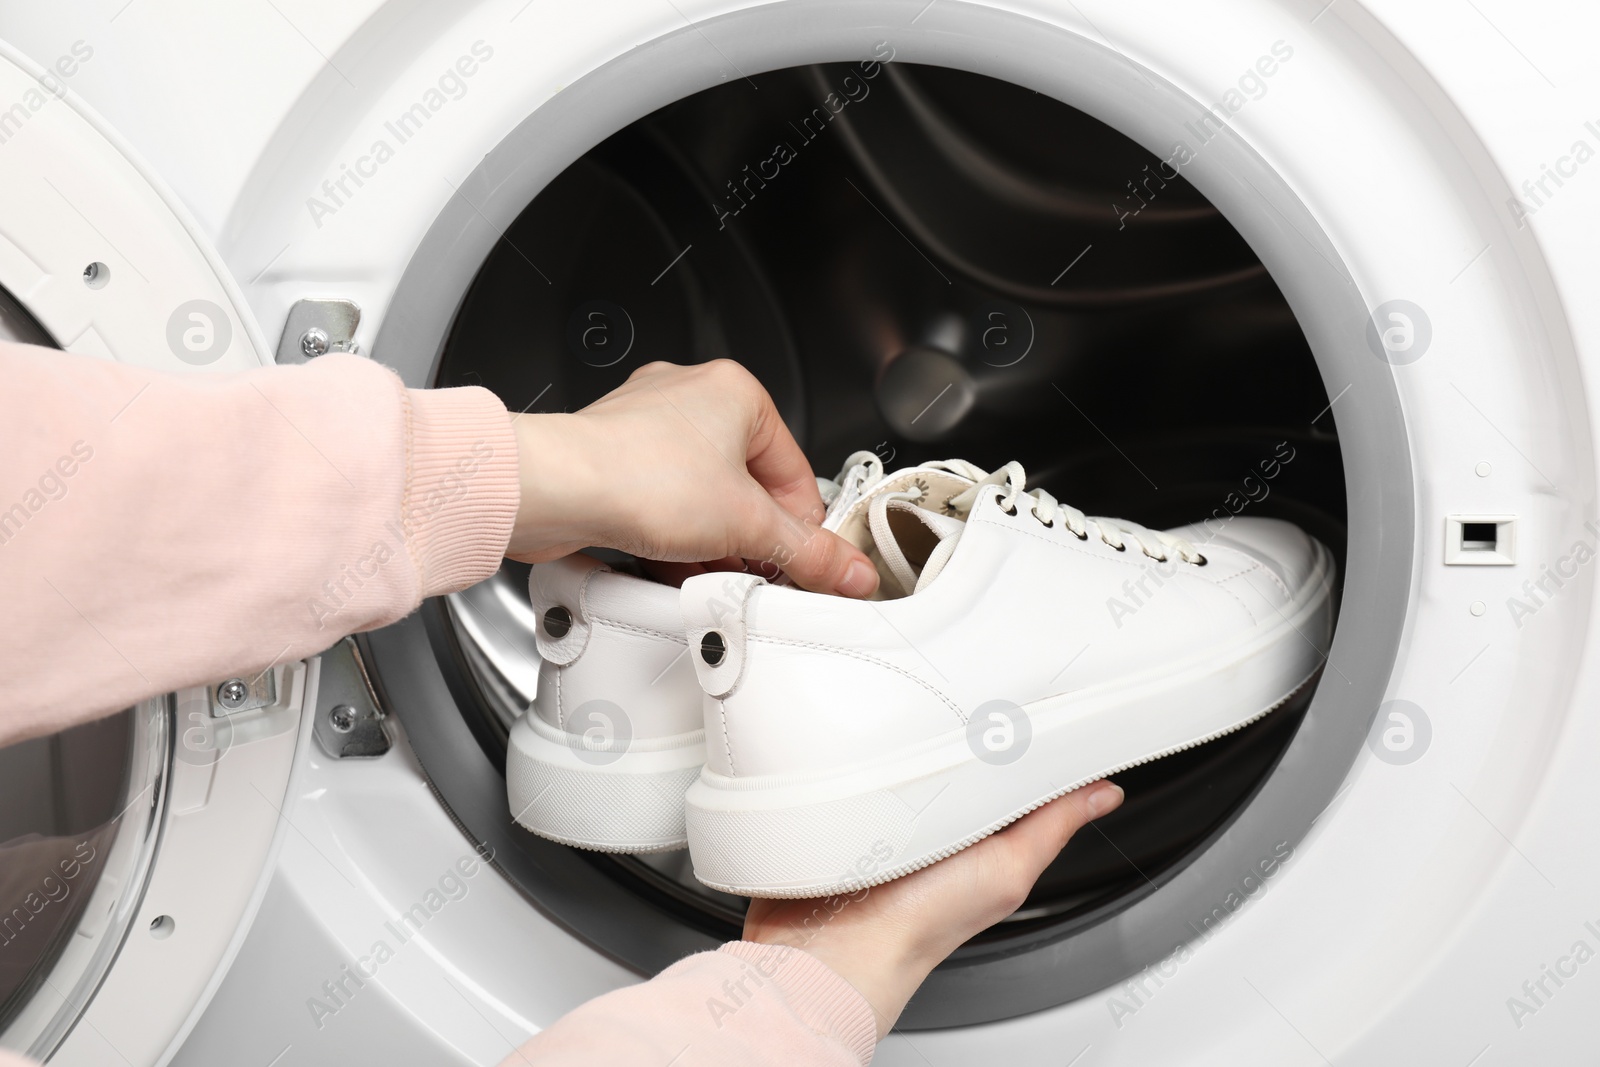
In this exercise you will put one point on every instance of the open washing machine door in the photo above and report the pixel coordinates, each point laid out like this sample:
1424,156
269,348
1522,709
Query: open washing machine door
1161,261
131,849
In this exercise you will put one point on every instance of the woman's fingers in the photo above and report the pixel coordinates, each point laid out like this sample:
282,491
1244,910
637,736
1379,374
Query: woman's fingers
685,464
1032,842
887,939
774,458
817,559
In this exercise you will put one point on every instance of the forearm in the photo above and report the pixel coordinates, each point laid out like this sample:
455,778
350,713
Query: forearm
158,531
744,1004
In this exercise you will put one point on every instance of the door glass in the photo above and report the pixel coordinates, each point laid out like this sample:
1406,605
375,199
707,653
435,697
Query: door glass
60,804
79,811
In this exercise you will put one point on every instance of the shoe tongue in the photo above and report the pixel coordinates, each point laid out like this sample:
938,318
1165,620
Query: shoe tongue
849,515
913,543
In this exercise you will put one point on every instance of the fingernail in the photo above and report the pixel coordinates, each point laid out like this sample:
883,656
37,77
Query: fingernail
1106,798
859,580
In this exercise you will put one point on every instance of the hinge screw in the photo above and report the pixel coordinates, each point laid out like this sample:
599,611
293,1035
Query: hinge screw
342,718
232,693
314,342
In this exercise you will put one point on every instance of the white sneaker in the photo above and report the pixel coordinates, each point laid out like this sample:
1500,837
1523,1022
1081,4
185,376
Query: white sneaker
615,734
852,742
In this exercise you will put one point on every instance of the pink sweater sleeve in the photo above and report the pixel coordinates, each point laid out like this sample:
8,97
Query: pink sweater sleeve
158,531
743,1005
161,530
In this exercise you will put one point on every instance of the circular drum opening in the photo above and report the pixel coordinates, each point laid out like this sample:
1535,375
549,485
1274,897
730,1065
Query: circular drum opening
927,263
907,274
929,253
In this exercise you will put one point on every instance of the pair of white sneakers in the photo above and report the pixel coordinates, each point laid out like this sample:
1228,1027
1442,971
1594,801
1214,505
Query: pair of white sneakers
805,745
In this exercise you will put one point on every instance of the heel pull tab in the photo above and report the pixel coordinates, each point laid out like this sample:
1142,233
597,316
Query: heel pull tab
557,590
714,614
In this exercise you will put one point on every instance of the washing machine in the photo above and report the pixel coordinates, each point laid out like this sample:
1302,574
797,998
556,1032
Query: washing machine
1325,260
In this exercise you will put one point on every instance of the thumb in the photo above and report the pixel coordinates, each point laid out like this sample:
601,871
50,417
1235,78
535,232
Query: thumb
1036,839
816,559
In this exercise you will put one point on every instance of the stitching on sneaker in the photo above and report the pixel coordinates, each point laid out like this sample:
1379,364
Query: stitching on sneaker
1075,547
561,714
1070,546
727,745
1218,583
1223,585
1256,564
642,630
863,657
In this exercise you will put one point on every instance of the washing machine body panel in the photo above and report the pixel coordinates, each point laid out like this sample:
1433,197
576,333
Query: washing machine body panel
1505,976
1406,921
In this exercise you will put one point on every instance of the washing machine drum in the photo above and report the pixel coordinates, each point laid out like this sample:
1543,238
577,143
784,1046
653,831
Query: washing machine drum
905,274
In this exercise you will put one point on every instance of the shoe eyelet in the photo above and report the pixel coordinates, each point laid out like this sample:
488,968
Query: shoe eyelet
1012,510
713,648
1051,525
1084,536
1201,562
1122,547
557,622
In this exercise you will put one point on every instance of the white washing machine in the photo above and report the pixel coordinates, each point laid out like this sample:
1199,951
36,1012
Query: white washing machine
1331,260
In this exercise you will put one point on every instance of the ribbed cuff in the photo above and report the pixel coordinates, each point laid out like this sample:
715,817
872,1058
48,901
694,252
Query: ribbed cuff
462,486
825,1001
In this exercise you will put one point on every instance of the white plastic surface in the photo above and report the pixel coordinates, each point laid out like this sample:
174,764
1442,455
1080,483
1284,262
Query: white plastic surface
1404,928
74,199
462,981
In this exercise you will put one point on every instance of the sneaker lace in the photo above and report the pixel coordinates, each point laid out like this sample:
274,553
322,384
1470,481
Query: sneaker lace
860,470
1114,532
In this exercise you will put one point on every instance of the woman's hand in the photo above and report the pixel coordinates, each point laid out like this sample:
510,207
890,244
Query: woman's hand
685,464
885,940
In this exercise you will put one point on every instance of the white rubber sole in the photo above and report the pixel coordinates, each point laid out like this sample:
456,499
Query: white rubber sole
627,801
815,836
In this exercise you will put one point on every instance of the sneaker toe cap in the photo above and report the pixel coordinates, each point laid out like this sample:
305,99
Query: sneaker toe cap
1281,547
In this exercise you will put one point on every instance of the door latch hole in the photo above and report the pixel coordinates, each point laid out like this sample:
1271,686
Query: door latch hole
1480,540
